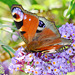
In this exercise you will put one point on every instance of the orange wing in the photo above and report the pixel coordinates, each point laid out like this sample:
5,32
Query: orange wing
29,26
45,41
25,22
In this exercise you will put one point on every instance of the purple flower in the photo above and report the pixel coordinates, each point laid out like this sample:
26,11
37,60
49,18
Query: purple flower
13,60
37,71
4,68
44,72
15,36
73,59
73,45
56,71
70,51
61,66
37,65
45,56
19,52
46,63
49,68
65,35
67,31
29,57
11,67
55,62
17,67
73,35
29,69
37,62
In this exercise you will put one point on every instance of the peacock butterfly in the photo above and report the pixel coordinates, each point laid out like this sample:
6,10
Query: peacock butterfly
38,33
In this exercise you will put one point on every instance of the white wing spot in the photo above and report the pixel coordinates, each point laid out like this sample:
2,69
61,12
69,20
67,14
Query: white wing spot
29,19
21,16
25,17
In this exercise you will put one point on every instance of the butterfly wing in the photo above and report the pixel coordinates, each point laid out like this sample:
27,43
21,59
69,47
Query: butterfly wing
48,39
38,33
47,42
50,25
25,22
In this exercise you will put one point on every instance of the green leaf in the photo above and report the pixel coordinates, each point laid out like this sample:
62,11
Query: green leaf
6,47
71,7
58,26
64,3
6,50
9,48
9,2
33,2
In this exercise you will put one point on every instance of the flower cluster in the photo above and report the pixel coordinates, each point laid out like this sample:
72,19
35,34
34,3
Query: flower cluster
4,68
67,31
46,64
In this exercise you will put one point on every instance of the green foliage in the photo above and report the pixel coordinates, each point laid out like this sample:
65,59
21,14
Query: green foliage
58,26
4,40
9,2
9,48
6,47
38,7
6,50
71,9
33,2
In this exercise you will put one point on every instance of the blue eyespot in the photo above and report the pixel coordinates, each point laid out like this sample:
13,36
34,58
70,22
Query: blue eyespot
41,24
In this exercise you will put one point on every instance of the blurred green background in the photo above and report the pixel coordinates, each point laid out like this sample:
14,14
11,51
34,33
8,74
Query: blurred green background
58,11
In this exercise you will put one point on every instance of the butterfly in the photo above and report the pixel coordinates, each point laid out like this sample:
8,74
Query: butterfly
39,34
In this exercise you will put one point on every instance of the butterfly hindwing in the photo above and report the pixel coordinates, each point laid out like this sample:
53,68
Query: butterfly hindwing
50,25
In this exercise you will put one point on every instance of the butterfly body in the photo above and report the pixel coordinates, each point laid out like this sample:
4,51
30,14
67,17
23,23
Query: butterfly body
38,33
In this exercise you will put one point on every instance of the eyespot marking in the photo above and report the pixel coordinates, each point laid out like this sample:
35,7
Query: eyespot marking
17,14
41,24
40,27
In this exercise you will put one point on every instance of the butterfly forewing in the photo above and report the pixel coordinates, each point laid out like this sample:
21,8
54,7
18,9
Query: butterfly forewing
25,22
